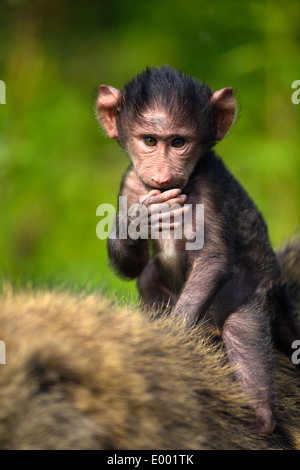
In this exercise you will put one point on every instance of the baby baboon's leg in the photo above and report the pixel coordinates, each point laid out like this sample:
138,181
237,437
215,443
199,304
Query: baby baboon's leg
248,341
154,291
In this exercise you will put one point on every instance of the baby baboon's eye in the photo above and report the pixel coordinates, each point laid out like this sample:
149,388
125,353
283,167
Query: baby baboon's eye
150,141
178,143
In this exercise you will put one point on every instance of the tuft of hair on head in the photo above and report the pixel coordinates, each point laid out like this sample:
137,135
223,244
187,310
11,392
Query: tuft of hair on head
184,98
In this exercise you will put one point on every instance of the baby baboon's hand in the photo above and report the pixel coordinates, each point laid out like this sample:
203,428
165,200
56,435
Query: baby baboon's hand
165,209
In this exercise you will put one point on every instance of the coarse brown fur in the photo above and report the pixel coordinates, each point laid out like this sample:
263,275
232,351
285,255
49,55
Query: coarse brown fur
81,373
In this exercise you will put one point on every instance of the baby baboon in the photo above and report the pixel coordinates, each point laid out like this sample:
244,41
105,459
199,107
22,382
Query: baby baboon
81,373
168,123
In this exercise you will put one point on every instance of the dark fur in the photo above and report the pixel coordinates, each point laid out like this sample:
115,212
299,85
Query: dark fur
235,271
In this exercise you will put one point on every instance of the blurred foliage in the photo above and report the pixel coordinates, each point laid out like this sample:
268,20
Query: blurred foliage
56,166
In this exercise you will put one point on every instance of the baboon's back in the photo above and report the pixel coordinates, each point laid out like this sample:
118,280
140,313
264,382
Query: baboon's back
83,374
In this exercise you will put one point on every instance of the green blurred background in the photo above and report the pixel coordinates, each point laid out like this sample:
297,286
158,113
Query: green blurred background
56,166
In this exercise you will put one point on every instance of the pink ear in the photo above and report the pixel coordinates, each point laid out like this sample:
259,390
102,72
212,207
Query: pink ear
223,103
108,100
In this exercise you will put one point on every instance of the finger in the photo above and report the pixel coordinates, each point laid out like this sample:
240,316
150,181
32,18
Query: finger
170,214
161,200
153,192
177,200
165,196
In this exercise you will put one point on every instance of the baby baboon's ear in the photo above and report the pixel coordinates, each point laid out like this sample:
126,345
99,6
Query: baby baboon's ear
224,107
108,100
